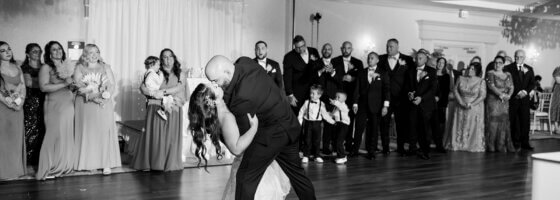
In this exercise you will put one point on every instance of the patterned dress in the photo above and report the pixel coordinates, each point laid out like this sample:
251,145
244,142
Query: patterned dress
555,104
467,132
498,137
33,117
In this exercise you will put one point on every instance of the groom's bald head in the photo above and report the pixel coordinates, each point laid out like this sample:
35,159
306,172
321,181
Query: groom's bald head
219,71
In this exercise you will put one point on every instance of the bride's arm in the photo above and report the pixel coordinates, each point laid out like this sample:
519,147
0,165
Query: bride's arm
233,141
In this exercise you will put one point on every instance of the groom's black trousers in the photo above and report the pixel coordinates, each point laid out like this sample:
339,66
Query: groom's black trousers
257,157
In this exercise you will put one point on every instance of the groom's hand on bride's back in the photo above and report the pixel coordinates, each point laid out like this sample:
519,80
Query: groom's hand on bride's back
253,121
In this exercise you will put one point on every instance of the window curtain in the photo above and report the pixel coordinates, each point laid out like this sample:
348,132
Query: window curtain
128,31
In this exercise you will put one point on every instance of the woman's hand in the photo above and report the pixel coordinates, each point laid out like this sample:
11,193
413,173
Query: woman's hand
83,90
253,121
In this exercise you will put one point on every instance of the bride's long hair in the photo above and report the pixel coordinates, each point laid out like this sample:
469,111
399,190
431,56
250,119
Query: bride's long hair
203,121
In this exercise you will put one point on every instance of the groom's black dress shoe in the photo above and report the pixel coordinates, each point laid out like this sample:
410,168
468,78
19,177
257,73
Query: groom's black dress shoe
371,156
424,156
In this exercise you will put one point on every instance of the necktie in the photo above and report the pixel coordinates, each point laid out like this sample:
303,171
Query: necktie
521,74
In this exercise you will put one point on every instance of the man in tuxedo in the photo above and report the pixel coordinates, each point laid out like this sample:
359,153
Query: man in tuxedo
397,72
298,72
348,67
371,103
247,89
272,67
331,83
519,104
421,89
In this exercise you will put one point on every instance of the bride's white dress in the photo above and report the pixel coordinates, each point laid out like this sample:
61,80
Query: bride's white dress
274,184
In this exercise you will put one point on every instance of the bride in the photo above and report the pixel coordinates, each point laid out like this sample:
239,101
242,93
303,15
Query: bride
210,118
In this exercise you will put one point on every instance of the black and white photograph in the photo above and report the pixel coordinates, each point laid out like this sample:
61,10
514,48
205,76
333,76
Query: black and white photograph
280,99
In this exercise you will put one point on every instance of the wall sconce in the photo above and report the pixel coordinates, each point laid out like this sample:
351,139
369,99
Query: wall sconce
315,17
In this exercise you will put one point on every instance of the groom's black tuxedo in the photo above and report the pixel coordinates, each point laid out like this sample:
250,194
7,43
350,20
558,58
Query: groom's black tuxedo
252,91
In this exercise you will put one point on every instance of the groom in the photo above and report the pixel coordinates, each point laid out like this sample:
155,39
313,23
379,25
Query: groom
248,89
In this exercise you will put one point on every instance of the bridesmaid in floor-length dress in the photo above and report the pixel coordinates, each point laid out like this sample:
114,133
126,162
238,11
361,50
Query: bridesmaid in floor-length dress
12,144
160,146
33,107
97,145
56,157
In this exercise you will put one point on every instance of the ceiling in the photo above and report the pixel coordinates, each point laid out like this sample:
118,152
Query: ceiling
477,6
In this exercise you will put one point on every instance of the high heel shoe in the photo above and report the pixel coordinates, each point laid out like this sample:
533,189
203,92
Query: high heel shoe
106,171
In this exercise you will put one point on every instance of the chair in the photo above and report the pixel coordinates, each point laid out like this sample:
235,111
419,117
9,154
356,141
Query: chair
542,112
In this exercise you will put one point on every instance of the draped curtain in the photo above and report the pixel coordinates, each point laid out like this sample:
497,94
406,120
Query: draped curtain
128,31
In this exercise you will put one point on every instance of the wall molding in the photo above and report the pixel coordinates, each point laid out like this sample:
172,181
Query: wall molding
437,30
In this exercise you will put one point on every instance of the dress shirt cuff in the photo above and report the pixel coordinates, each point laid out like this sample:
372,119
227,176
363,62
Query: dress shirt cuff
386,103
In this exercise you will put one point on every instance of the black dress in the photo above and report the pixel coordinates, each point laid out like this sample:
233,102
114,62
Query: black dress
33,118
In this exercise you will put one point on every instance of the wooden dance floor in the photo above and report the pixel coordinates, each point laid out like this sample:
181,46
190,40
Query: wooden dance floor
455,175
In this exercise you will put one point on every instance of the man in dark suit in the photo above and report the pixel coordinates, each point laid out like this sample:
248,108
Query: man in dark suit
421,88
397,72
371,102
272,67
348,67
519,104
248,89
298,70
331,83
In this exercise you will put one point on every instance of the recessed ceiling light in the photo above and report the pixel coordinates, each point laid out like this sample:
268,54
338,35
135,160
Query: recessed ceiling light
484,4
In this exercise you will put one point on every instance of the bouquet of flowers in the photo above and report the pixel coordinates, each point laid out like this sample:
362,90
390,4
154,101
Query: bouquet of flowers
98,87
13,97
66,70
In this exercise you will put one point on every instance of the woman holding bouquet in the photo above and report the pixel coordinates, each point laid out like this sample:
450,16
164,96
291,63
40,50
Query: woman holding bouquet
160,147
97,145
12,95
56,157
33,106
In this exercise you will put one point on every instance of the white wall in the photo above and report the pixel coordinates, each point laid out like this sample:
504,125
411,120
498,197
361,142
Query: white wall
38,21
265,20
364,25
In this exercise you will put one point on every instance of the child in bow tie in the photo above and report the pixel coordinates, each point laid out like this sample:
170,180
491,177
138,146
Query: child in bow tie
312,114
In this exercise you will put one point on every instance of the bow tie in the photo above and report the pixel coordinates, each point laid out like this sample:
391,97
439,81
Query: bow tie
371,68
393,57
420,69
314,102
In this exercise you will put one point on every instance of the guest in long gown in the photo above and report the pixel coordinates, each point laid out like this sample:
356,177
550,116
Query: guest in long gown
160,146
12,144
442,99
467,132
555,104
97,145
33,107
500,87
57,150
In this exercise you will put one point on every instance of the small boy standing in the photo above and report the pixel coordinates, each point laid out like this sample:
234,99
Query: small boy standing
311,115
342,122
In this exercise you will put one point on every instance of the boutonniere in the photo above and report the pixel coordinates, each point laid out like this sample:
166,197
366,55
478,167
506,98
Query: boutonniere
312,57
378,78
268,68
